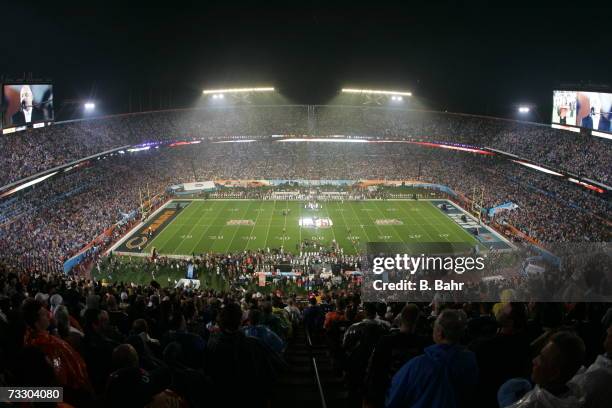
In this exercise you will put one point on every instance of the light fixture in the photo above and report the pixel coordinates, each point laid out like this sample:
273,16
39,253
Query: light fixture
375,92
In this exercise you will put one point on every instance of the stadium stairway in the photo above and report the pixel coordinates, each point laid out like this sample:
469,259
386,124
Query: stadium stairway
310,381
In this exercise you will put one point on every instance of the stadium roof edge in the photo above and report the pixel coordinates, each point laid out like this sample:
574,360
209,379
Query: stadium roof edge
60,167
397,108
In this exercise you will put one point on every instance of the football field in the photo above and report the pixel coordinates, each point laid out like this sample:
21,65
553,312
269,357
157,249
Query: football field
185,227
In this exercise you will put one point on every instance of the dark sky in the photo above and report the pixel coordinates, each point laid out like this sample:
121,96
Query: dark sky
460,58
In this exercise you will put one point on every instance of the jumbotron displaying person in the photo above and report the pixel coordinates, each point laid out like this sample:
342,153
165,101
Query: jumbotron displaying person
27,112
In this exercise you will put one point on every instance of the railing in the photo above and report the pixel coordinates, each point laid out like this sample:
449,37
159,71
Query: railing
316,370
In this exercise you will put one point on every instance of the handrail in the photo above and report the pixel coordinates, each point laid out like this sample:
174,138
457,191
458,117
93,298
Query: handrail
316,370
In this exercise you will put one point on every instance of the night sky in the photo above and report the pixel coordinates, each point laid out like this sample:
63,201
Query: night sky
457,58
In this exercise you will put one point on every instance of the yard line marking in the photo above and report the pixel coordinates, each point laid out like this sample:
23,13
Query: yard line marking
359,220
399,235
346,225
231,243
204,234
194,226
376,226
270,223
254,224
421,227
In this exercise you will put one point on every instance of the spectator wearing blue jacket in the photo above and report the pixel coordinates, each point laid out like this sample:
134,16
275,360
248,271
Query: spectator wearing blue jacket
262,332
445,376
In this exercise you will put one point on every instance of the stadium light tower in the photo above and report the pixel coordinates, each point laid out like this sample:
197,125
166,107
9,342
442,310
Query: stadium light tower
527,111
376,92
89,106
377,96
234,96
235,91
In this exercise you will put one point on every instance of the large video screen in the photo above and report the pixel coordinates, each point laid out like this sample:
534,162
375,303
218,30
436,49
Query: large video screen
27,104
591,110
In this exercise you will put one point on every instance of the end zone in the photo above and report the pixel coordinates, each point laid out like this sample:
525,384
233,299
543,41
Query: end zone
486,235
138,238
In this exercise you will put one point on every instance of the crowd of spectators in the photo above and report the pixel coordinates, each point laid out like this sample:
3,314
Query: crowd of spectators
119,344
124,345
27,153
588,156
43,226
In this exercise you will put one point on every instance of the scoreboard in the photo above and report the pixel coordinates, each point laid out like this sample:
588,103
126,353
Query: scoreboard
26,105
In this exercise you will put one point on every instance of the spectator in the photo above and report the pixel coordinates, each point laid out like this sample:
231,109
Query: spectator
391,352
69,368
593,385
66,331
278,325
556,364
496,367
335,315
313,315
358,344
97,348
445,376
263,333
192,345
140,327
233,359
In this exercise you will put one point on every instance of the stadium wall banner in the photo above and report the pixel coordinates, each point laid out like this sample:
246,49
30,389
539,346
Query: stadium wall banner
307,183
88,249
505,206
358,183
383,182
438,187
242,183
125,218
407,183
78,258
190,188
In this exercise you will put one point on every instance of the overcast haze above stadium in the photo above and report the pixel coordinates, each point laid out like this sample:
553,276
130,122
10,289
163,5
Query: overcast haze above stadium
463,59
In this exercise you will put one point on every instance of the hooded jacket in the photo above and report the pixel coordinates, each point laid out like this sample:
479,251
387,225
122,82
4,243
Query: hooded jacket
443,377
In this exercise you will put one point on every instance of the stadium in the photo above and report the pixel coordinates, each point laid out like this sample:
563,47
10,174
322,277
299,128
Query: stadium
221,253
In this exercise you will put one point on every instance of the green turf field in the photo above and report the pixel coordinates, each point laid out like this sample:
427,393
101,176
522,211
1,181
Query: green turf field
222,226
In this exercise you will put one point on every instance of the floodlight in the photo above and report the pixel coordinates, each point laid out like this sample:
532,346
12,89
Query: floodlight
523,109
375,92
236,90
89,106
